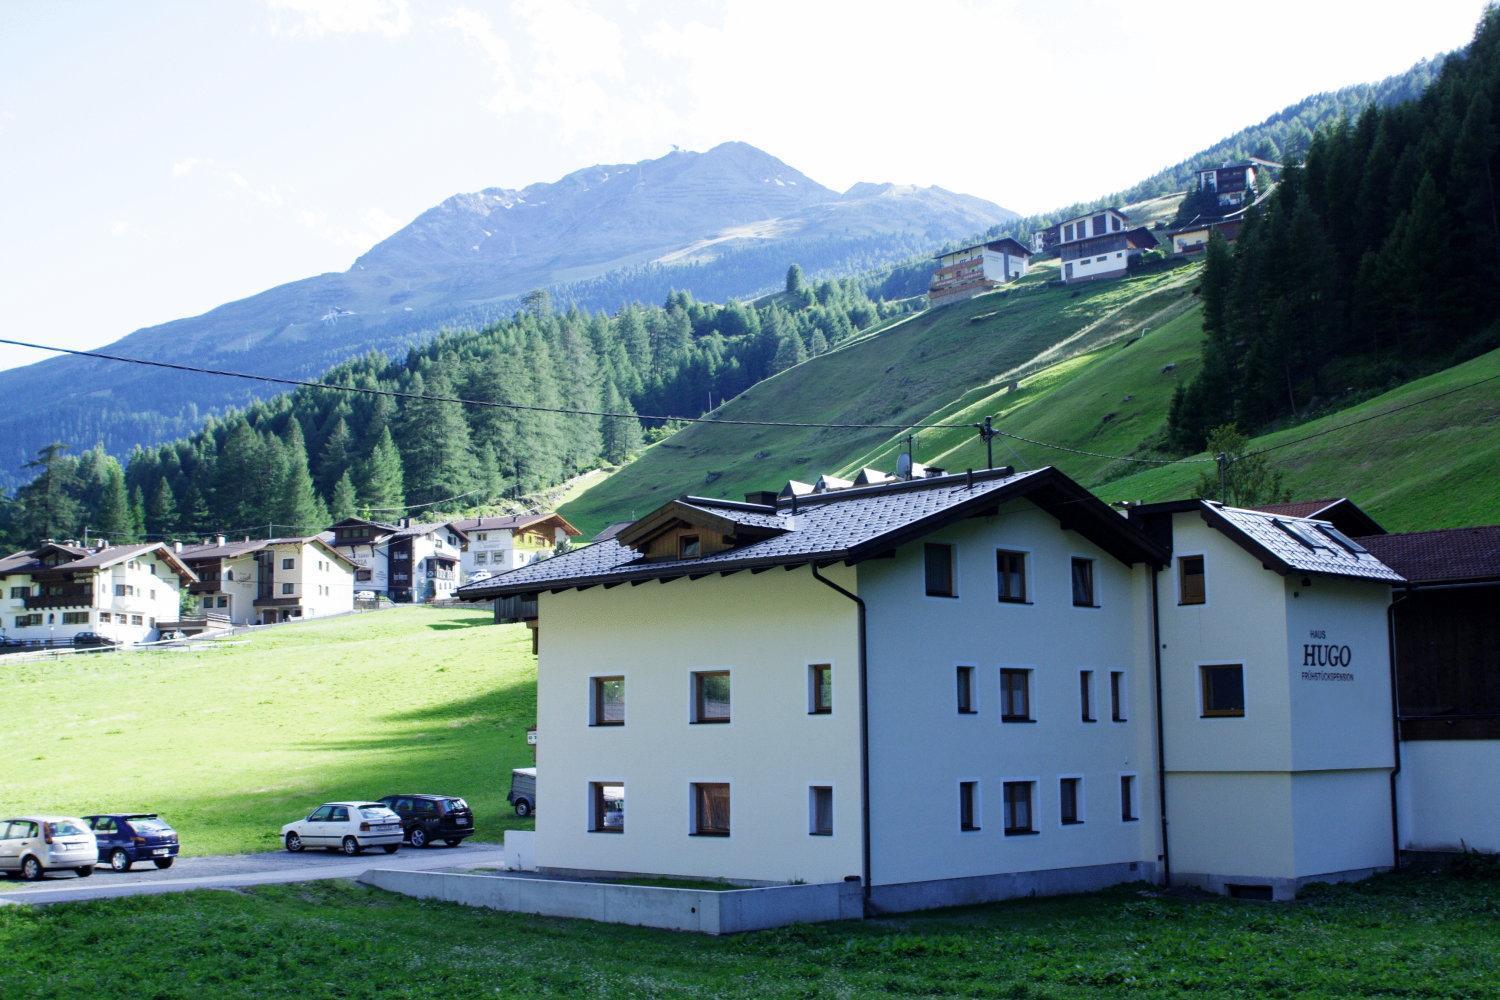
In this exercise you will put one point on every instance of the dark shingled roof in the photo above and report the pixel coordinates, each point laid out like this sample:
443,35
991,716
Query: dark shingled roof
1341,512
1450,555
843,525
511,522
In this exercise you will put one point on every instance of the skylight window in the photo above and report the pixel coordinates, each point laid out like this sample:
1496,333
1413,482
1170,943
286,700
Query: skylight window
1300,534
1350,545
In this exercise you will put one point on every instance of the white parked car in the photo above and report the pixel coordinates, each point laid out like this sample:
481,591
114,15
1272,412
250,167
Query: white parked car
480,574
345,826
365,595
35,845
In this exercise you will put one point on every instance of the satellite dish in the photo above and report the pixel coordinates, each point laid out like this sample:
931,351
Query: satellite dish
903,465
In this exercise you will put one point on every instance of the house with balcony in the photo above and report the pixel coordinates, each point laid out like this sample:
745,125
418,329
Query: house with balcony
268,580
1100,245
968,271
498,543
404,562
958,688
1233,184
59,589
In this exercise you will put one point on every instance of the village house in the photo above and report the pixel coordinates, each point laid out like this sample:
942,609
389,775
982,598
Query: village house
968,271
403,562
1100,245
269,580
1234,183
59,589
956,688
497,543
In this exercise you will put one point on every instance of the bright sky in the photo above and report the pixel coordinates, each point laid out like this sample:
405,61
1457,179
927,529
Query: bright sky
160,158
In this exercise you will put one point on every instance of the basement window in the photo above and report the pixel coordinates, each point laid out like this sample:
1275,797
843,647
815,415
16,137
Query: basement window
710,809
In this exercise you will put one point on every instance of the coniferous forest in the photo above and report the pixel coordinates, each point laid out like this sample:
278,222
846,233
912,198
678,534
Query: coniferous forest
1375,262
294,463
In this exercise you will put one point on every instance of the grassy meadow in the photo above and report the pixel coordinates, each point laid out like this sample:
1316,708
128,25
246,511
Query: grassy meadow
1394,936
230,742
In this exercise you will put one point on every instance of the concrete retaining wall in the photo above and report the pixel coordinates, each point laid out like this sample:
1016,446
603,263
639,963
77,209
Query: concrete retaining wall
520,850
700,910
935,893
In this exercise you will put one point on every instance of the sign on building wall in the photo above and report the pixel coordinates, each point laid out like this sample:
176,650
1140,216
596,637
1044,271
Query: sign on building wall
1323,660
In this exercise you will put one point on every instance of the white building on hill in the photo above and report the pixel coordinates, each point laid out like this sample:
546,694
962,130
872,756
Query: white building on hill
968,271
498,543
1100,245
948,688
269,580
405,562
57,590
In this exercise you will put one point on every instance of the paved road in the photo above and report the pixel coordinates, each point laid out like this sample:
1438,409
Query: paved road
238,870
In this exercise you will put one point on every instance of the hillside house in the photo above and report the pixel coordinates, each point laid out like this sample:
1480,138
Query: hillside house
1100,245
968,271
268,580
1234,183
403,562
947,687
57,590
496,544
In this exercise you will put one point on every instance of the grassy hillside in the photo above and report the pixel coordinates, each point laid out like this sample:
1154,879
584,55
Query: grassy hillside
903,374
231,742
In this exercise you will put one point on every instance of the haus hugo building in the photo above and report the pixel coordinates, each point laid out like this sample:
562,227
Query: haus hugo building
961,688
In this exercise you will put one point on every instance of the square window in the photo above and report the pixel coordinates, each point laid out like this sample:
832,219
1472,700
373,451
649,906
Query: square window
1083,583
1015,695
1086,695
939,566
966,691
1068,793
1010,569
1190,582
1117,695
820,811
711,696
1127,798
608,701
606,807
820,689
968,805
1018,798
288,563
711,809
286,588
689,547
1223,690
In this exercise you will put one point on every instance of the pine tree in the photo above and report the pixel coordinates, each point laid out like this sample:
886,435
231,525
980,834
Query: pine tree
438,458
113,513
622,436
335,456
791,351
381,485
298,509
345,502
161,512
137,514
47,508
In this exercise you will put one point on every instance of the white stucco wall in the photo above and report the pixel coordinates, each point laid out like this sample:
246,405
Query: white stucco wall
921,747
1446,794
766,629
1113,264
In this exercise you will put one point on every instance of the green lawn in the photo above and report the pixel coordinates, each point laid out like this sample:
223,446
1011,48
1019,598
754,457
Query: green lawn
230,743
1407,936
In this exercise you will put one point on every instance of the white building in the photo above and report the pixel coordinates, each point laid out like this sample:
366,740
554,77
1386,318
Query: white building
1100,245
269,580
57,590
948,688
496,544
968,271
405,562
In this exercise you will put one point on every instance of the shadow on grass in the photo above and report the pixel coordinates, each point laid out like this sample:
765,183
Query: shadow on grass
476,622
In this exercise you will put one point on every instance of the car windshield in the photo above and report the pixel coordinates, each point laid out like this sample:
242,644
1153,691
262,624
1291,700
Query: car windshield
149,824
376,812
454,805
66,828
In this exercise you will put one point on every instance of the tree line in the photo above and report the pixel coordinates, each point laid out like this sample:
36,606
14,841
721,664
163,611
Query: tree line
1376,261
297,462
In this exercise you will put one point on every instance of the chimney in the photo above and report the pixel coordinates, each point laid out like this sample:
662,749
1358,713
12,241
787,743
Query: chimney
176,546
766,498
219,540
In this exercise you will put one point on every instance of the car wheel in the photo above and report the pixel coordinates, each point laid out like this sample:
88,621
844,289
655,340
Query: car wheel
31,869
418,837
350,846
119,860
454,843
391,848
85,871
523,808
163,863
293,842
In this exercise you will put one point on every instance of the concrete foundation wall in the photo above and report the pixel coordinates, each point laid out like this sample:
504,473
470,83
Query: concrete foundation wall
1446,793
700,910
989,888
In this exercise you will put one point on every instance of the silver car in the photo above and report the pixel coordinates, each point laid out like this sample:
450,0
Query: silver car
35,845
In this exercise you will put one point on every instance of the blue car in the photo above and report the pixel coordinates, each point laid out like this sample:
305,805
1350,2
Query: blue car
125,838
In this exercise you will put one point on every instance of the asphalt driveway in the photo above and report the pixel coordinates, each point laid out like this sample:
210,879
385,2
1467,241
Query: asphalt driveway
233,871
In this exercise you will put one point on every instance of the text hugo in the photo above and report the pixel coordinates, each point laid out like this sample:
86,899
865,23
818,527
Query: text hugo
1318,655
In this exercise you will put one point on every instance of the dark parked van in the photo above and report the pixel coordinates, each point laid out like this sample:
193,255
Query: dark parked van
426,818
125,838
522,794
